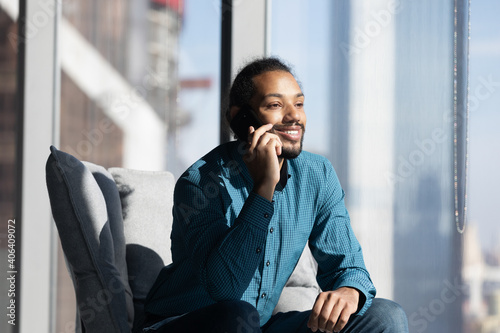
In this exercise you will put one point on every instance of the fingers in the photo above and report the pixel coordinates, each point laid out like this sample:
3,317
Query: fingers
342,321
330,313
313,322
262,137
262,160
323,318
329,318
255,134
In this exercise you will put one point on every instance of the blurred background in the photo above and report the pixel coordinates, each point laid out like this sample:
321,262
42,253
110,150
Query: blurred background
398,97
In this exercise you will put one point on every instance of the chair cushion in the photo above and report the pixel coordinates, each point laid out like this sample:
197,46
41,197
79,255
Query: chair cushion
147,199
114,209
81,215
301,289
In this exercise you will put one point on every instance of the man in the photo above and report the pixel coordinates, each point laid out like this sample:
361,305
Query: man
243,214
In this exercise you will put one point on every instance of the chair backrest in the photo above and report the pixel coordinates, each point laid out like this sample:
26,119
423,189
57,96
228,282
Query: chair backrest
114,228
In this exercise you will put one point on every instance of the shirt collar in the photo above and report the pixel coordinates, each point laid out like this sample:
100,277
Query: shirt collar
284,175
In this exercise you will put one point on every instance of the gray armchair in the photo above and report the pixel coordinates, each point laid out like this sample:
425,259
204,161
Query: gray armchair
114,227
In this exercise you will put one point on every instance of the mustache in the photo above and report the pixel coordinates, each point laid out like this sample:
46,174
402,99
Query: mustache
280,127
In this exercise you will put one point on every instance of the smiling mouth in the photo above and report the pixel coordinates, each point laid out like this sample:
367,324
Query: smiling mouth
293,133
290,132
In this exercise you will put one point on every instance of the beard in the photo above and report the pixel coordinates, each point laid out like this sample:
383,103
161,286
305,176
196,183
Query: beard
294,151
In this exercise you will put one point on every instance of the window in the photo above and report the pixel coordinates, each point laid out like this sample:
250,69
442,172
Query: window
379,84
139,86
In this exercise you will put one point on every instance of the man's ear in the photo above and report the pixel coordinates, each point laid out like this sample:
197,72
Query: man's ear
233,111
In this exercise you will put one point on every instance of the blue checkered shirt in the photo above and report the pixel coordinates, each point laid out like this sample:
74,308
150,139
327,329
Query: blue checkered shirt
228,243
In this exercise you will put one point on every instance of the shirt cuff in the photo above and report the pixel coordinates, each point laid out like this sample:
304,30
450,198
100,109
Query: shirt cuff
257,211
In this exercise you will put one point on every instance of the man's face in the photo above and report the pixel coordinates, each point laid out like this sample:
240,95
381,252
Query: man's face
278,100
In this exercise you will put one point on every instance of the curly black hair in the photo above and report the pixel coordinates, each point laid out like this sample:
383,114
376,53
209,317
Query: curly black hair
243,88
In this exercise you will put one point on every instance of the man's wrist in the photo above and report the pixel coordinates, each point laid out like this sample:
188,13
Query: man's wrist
361,297
265,190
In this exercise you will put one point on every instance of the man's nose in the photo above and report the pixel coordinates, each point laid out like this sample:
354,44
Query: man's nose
292,114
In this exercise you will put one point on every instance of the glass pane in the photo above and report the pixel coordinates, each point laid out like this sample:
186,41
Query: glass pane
139,83
8,81
199,74
306,46
426,241
481,247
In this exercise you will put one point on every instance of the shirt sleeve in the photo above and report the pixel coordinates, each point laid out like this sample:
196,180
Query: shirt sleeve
335,247
226,256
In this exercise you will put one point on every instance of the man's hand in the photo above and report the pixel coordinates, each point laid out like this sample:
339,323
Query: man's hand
332,309
262,160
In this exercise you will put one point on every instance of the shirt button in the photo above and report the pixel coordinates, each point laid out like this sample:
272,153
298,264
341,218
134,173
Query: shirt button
268,263
258,250
271,230
266,215
263,295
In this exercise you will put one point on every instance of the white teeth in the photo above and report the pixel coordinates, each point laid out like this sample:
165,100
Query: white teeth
291,132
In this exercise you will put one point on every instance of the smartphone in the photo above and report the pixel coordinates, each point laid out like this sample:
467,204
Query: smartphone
245,118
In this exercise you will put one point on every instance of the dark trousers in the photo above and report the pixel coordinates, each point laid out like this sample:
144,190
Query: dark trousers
241,317
222,317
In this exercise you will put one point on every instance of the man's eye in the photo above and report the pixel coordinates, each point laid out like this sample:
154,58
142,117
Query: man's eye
273,106
299,105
